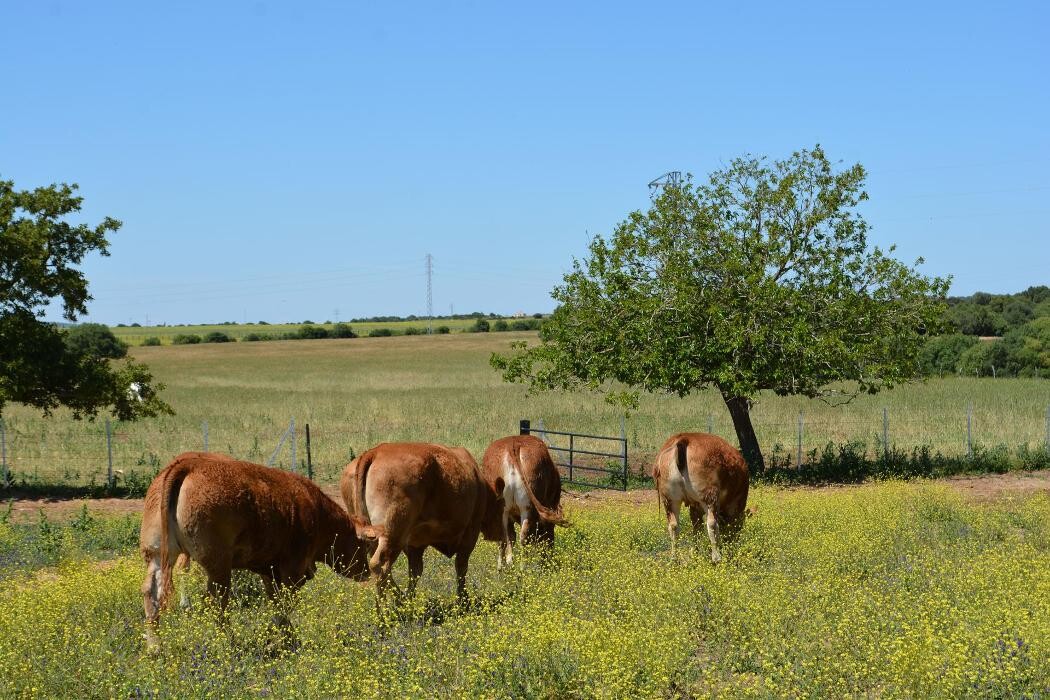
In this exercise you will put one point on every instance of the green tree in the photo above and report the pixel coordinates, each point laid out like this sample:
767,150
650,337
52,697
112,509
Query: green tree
759,280
39,256
95,339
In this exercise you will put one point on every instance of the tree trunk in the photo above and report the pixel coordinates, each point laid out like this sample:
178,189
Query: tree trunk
745,432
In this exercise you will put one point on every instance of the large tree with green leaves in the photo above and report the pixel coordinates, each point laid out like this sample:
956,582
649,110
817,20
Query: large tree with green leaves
760,279
40,366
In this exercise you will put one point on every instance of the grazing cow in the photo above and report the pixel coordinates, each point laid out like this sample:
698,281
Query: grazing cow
419,495
135,390
710,476
531,491
226,514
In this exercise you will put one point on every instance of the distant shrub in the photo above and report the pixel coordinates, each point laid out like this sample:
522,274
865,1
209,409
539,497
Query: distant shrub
151,341
341,330
308,322
442,330
136,325
413,330
380,333
186,339
262,323
480,326
501,326
519,325
95,340
256,337
217,337
289,335
310,332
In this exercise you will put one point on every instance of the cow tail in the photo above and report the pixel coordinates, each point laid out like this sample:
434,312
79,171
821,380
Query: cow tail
552,516
364,462
169,499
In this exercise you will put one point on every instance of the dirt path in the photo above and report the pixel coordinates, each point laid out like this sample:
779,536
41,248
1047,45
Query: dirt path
980,487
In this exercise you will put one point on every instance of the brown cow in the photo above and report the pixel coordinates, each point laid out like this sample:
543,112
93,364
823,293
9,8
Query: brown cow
225,515
419,495
531,492
710,476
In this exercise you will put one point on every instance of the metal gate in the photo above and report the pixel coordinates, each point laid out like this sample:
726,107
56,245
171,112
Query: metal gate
584,467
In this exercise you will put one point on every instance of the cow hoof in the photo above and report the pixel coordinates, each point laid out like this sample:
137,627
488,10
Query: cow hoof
716,558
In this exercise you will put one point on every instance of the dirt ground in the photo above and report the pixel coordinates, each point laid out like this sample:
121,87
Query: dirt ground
981,487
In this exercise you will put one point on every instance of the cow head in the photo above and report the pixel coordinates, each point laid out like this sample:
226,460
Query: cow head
350,555
492,522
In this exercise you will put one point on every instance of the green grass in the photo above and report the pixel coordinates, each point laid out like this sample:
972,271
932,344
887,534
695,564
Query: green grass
134,335
355,393
895,590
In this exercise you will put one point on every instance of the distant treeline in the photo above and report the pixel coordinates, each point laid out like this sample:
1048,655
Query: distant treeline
996,335
309,331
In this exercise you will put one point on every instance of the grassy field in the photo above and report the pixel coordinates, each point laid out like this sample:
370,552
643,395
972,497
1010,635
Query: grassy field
891,590
134,335
355,393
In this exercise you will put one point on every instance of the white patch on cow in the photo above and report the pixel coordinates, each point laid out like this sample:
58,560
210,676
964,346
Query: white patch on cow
135,392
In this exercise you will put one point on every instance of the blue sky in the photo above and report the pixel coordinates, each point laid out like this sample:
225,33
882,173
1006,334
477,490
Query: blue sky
285,161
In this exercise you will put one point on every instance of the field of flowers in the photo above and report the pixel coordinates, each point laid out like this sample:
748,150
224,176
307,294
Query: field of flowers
892,589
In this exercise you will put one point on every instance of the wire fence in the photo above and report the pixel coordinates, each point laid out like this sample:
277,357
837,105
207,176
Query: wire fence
100,453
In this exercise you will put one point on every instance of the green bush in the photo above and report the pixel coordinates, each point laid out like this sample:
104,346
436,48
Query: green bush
95,340
217,337
413,330
380,333
311,332
186,339
151,341
341,330
256,337
501,326
480,326
940,355
442,330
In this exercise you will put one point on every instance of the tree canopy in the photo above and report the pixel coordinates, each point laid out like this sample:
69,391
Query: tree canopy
760,279
40,364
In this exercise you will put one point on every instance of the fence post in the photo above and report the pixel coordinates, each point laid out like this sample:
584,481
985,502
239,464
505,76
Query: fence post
109,455
798,463
1047,429
291,431
885,433
969,432
623,444
571,447
524,426
710,424
7,475
543,434
309,458
204,429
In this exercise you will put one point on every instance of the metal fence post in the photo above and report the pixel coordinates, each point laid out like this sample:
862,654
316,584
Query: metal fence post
204,429
7,474
571,460
798,464
291,431
623,437
109,455
885,433
309,458
969,432
524,426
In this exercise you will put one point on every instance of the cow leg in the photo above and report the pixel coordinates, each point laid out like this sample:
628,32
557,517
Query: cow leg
712,534
184,562
382,563
219,575
673,508
528,523
696,515
415,568
506,548
462,560
151,588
